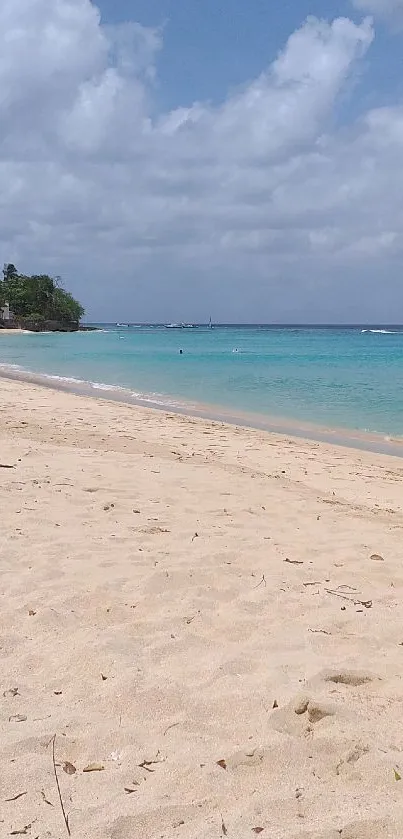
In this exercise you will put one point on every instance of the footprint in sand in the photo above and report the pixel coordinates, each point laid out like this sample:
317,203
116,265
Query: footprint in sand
351,758
298,717
316,711
303,712
348,677
386,828
247,757
157,821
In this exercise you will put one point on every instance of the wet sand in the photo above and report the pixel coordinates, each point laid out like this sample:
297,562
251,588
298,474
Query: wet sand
346,437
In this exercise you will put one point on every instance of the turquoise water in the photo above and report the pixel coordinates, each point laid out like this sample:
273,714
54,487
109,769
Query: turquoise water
337,377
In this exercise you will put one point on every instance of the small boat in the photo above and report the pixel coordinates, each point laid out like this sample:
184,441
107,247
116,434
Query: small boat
179,326
210,326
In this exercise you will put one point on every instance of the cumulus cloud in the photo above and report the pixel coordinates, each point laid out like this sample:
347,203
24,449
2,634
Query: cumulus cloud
258,208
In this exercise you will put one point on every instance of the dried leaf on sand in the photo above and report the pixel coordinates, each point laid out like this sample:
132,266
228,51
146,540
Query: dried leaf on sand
69,768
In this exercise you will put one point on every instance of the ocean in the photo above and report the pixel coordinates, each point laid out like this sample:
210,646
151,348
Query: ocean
347,378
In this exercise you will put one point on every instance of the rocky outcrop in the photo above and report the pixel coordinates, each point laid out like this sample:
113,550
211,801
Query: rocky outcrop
44,325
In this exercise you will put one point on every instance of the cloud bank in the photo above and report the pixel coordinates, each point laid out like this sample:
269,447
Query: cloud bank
259,209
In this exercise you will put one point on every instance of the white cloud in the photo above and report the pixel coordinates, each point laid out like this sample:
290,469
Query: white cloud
255,203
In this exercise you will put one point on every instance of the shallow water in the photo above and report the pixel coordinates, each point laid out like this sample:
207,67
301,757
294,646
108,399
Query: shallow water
335,377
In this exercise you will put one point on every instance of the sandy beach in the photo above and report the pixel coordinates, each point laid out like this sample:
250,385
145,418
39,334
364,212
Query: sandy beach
205,621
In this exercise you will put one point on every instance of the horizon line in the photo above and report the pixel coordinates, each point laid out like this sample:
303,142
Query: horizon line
272,324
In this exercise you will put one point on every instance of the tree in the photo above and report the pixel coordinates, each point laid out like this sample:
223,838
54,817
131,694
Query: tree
9,271
38,296
65,307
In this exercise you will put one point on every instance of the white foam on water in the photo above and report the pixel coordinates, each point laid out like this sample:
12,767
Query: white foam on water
382,331
12,367
68,379
149,398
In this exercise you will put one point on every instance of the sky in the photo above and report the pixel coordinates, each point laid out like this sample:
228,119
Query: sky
176,159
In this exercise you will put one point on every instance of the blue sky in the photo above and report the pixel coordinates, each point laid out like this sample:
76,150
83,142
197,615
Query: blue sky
172,158
211,46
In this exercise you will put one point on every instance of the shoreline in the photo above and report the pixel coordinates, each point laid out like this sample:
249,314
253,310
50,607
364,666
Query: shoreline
17,331
376,443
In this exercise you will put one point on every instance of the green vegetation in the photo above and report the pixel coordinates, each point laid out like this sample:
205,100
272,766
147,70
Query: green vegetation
38,298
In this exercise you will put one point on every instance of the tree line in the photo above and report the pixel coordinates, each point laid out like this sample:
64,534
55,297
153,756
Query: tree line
38,297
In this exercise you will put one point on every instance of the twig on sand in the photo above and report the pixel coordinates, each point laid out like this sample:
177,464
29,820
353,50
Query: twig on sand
190,620
263,580
66,820
15,797
173,725
23,831
355,601
320,631
146,764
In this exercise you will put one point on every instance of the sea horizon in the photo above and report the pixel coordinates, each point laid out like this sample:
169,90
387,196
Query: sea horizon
247,325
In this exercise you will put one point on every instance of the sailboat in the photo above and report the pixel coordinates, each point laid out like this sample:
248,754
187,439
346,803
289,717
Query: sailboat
210,326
